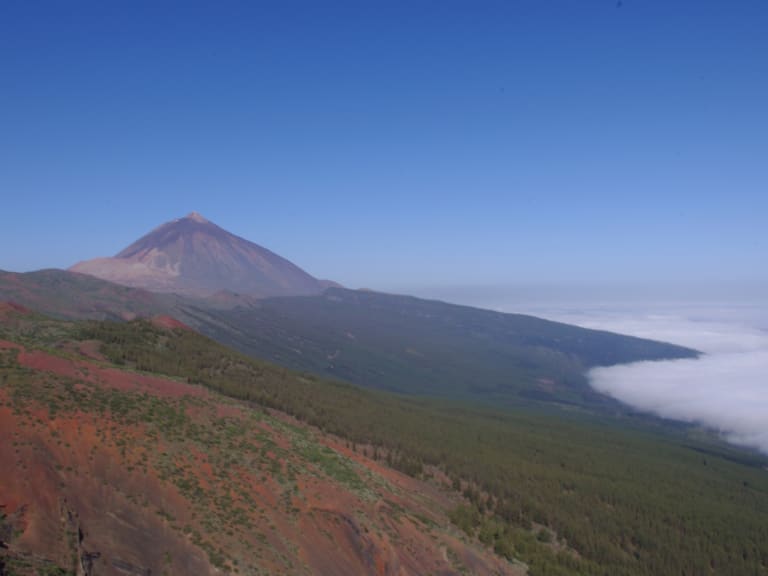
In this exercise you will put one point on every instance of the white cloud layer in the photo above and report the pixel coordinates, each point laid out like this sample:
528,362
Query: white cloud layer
726,389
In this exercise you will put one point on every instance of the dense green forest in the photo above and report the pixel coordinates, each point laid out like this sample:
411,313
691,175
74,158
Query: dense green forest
410,345
564,490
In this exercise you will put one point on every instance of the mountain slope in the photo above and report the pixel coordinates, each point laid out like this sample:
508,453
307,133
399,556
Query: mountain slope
410,345
396,343
114,472
71,295
564,491
194,256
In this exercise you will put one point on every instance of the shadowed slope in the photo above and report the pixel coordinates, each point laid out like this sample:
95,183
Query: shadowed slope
396,343
75,296
426,347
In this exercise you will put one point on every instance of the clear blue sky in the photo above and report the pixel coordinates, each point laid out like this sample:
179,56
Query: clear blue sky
395,143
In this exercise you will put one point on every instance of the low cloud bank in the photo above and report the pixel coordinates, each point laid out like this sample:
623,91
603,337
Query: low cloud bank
726,389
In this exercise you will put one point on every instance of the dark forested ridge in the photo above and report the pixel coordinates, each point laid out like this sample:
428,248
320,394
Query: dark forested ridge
415,346
396,343
73,296
565,491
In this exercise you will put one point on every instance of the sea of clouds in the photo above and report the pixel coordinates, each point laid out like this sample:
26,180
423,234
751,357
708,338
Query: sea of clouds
726,389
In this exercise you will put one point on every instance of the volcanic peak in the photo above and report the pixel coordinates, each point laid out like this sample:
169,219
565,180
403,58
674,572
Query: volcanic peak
194,256
197,217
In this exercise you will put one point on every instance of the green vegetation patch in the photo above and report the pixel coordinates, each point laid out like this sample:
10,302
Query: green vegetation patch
333,465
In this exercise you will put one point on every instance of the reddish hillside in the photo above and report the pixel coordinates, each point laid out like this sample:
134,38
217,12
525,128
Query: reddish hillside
112,472
11,310
194,256
169,322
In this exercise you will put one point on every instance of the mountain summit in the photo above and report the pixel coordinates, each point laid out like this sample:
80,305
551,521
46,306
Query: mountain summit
194,256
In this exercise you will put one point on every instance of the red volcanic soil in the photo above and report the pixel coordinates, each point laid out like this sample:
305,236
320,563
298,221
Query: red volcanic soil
112,472
169,323
106,376
10,345
12,309
67,496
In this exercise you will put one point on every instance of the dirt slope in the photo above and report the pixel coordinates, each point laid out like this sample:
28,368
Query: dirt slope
112,472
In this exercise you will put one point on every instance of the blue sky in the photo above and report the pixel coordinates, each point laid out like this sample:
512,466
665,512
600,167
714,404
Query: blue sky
395,144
